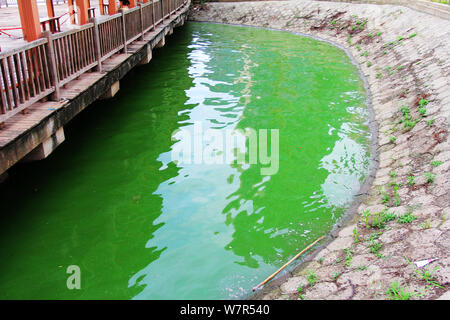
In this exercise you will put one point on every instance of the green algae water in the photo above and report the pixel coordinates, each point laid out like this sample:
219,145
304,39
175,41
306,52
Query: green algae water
140,225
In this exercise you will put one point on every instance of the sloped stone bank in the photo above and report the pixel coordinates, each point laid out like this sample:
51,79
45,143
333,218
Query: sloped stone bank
405,214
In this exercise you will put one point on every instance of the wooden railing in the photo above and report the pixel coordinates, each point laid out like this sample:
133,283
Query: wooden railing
38,69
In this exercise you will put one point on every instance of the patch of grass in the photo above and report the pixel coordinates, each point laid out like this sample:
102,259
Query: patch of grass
426,224
312,278
428,277
407,218
385,198
375,247
429,176
374,236
422,111
395,292
423,102
335,275
436,163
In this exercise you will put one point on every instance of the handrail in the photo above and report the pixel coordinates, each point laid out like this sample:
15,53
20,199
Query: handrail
40,68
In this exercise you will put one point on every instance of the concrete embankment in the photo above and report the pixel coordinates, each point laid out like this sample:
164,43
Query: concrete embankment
404,214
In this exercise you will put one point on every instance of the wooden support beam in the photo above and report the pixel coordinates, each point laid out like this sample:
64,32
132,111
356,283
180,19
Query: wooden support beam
29,19
112,9
50,8
83,14
100,3
71,11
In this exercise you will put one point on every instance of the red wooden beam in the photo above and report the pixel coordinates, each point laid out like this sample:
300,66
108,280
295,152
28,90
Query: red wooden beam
71,11
112,9
100,3
29,19
50,8
82,10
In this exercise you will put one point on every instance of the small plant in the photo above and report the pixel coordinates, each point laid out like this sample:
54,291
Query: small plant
397,199
411,180
385,198
300,288
426,224
358,47
348,257
374,236
349,40
436,163
412,35
320,260
375,247
361,268
312,278
365,216
356,236
335,275
407,218
392,139
369,64
429,176
422,111
393,174
365,54
428,276
430,122
378,33
423,102
370,35
395,292
379,75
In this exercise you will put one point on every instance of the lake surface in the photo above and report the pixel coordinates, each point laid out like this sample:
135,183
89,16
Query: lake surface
140,224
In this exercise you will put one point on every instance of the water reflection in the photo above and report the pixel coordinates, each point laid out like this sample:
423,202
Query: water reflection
225,225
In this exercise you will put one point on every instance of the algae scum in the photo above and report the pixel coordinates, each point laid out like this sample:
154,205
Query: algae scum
140,225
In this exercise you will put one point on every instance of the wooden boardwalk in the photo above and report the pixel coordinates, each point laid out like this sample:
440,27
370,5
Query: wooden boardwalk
27,132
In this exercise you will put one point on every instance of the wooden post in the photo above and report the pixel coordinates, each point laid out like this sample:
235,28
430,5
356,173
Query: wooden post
50,9
98,52
112,9
52,65
29,19
100,3
124,33
71,11
83,14
142,19
153,13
